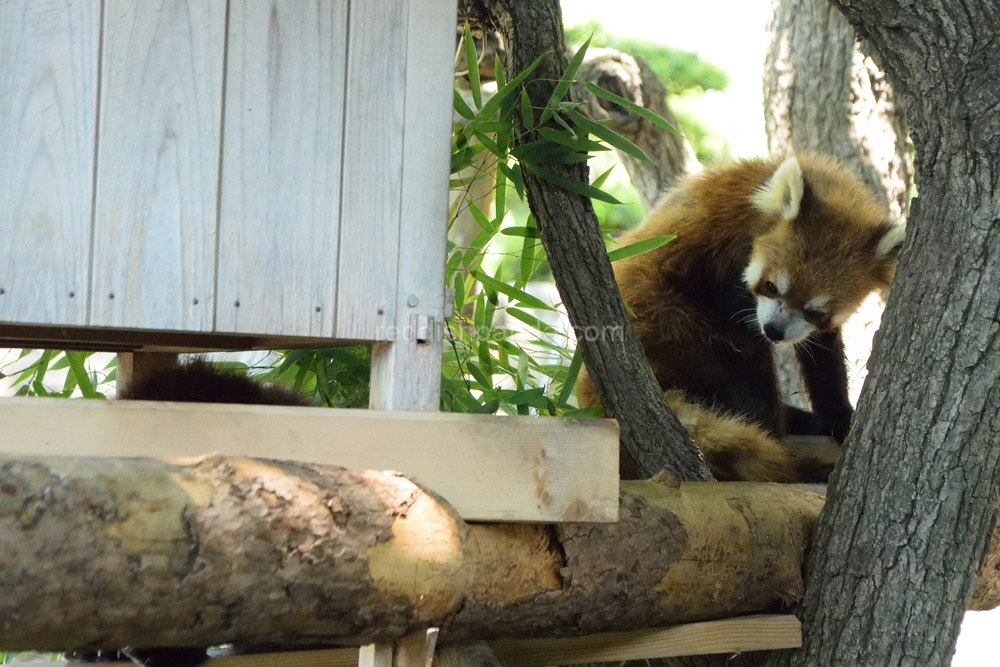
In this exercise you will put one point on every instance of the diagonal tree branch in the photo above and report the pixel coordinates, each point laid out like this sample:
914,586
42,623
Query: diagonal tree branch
652,438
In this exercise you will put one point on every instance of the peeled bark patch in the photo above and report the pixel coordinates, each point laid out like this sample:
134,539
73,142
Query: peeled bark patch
105,553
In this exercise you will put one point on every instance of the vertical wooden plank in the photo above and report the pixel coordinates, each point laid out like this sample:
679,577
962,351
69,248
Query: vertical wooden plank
48,112
281,167
130,364
373,156
416,650
375,655
406,373
158,164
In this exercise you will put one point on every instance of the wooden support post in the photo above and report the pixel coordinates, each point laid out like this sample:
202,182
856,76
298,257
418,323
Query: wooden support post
406,368
131,363
416,650
375,655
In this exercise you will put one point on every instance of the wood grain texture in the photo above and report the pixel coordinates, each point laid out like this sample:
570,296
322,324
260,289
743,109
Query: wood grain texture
416,650
158,164
278,228
489,468
406,372
48,114
373,158
733,635
375,655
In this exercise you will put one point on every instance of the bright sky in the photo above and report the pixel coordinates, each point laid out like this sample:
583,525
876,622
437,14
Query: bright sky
727,33
732,35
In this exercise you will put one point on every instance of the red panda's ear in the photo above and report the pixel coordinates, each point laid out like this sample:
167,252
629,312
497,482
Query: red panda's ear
782,193
890,242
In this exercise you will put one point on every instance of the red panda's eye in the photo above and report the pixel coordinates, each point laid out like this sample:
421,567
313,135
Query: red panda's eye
769,289
813,316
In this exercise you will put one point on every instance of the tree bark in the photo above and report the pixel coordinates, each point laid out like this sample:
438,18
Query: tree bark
671,155
913,503
652,438
821,93
104,553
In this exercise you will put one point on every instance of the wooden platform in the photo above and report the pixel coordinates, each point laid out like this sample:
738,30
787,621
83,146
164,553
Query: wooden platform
732,635
490,468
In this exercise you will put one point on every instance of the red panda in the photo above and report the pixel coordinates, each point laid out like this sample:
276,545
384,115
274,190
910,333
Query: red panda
765,254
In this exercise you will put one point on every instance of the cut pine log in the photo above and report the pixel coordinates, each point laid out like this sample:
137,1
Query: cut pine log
104,553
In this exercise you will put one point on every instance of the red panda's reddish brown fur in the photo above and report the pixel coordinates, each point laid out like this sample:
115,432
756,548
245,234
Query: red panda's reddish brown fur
808,220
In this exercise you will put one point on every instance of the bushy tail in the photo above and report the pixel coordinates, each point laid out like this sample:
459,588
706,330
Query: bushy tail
738,450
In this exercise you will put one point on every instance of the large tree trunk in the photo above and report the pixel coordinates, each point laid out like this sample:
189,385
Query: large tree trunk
104,553
913,503
822,94
652,438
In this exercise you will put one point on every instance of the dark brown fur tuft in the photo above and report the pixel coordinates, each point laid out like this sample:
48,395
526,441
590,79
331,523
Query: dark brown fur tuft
197,381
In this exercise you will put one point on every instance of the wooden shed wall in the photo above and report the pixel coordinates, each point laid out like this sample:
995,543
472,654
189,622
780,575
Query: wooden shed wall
218,166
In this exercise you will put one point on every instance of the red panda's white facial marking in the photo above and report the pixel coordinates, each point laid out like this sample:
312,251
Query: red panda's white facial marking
781,324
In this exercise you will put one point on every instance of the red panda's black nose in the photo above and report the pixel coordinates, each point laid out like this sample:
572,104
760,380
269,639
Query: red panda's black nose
774,333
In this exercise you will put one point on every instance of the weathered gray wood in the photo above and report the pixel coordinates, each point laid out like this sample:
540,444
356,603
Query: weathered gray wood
406,370
48,114
158,164
373,156
278,227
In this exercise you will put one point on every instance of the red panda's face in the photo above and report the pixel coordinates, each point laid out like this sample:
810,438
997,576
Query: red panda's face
818,261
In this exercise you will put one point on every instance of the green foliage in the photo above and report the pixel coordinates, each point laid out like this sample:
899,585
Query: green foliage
29,374
336,377
504,347
685,75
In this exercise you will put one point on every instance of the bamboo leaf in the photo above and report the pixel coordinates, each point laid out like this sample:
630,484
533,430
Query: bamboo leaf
651,116
79,371
565,81
461,107
472,62
527,113
526,232
571,184
498,71
521,296
571,374
543,151
531,320
608,135
571,140
599,181
481,378
493,104
639,247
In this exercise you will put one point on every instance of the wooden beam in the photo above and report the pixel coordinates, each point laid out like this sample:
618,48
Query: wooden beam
489,468
732,635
